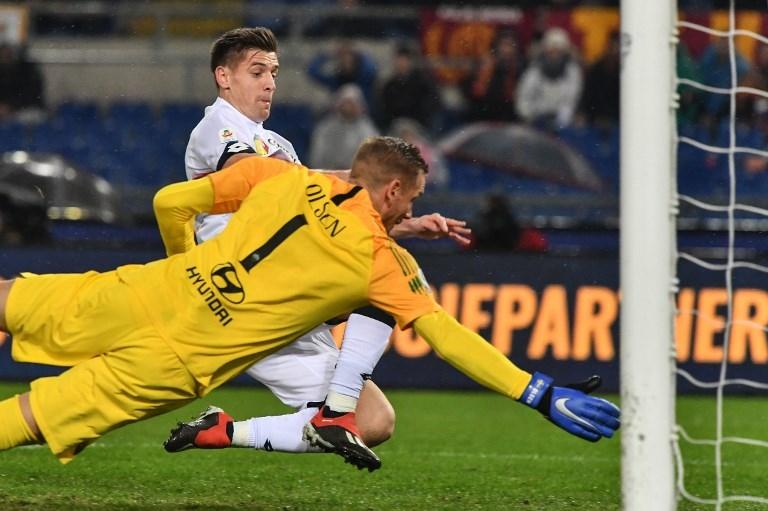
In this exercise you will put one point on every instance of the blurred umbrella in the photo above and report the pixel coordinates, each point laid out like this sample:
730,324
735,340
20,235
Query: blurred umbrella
522,150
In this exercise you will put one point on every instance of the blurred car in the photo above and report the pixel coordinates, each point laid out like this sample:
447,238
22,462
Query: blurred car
38,188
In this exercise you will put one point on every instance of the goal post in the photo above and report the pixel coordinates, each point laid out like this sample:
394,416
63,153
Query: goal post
647,254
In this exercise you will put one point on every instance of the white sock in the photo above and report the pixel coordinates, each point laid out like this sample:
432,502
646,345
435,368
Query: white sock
365,340
340,403
283,433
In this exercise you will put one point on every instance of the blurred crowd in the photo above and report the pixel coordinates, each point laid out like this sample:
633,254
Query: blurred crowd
546,84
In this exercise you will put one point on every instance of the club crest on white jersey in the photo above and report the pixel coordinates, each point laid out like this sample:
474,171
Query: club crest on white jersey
227,135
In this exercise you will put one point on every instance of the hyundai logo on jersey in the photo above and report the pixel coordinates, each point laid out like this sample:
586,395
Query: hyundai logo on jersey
224,278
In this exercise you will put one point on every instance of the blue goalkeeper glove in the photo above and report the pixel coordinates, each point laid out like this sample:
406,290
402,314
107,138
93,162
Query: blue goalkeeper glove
571,408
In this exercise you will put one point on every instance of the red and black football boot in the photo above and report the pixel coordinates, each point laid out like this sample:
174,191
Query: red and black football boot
212,429
337,432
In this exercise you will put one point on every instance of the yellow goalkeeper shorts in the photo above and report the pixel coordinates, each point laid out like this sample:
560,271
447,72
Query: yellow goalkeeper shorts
123,370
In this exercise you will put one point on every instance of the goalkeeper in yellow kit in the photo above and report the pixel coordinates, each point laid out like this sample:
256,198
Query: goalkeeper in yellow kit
302,248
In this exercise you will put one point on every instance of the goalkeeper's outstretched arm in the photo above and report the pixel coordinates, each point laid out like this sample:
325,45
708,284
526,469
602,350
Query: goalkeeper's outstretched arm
570,407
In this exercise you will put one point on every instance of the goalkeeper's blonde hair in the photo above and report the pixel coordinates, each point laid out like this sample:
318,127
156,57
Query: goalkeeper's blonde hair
381,159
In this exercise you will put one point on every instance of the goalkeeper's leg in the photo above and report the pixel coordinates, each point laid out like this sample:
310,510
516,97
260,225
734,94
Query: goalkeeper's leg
18,426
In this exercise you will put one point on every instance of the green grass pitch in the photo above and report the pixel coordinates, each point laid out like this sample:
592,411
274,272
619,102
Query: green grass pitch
451,450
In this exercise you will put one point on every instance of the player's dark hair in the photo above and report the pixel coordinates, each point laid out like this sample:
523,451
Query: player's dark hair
231,45
381,159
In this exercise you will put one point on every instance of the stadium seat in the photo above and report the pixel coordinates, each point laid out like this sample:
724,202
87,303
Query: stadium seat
131,113
185,115
73,113
13,136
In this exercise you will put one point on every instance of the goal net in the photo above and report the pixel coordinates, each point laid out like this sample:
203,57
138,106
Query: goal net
731,149
723,164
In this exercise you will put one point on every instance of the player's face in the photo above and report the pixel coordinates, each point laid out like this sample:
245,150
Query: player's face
250,84
400,201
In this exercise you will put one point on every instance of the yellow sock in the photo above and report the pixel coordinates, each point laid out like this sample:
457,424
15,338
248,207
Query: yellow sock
14,430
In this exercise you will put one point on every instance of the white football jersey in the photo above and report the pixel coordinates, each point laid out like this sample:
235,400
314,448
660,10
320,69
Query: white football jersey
224,132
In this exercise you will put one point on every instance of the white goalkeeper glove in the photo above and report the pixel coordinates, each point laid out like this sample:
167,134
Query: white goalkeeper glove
571,408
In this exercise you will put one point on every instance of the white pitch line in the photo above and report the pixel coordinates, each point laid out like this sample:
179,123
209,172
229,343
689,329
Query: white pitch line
548,457
443,454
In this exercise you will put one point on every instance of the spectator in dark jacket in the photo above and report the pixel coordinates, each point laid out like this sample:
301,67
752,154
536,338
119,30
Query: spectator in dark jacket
492,87
496,227
410,92
21,83
600,99
345,65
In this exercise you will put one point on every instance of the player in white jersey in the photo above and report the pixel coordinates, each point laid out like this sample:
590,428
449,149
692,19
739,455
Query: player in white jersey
222,133
306,372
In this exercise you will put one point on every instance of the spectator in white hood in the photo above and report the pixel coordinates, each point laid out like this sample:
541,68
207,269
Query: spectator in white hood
338,135
550,88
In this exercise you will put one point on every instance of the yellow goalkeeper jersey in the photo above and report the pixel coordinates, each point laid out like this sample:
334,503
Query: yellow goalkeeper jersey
302,248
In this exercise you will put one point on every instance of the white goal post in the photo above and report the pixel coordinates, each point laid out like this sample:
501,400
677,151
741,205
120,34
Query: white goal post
647,254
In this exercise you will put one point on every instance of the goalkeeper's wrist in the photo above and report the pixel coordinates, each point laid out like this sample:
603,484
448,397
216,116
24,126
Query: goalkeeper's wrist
538,393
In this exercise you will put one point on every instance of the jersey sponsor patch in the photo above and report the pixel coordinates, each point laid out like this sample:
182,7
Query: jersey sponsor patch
261,147
227,135
282,148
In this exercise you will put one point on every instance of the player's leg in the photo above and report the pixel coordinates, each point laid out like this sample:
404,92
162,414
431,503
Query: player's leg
64,319
216,429
122,371
29,417
335,428
375,415
18,426
142,377
366,337
36,297
297,375
5,289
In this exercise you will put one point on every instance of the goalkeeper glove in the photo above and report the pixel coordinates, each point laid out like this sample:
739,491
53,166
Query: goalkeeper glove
571,408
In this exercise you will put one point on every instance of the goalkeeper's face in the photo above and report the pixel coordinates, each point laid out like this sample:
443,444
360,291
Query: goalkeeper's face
249,83
398,199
